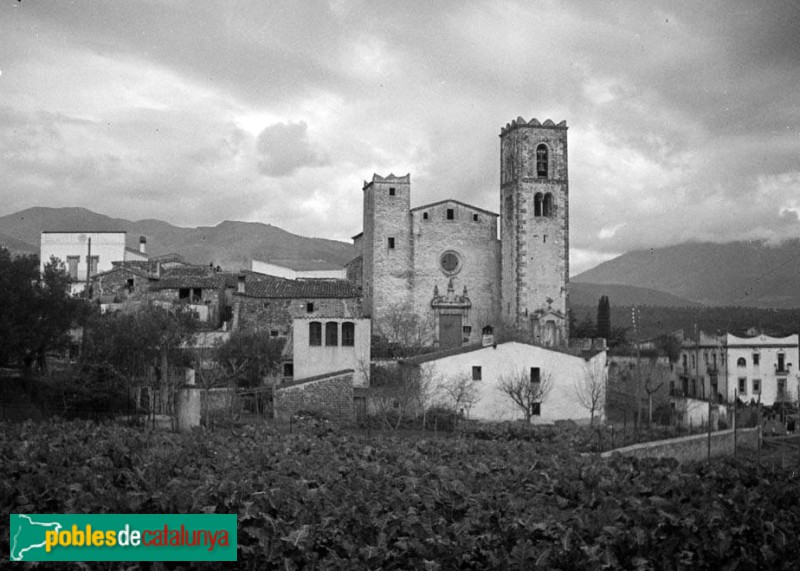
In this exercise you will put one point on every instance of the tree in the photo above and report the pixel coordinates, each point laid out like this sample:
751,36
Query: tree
583,329
460,393
526,391
36,312
604,318
590,389
403,331
249,356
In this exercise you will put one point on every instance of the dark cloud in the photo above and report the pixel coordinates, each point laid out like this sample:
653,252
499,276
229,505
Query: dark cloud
284,148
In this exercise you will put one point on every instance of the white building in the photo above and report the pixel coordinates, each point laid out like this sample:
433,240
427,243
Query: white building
727,366
487,366
85,254
323,345
762,366
299,269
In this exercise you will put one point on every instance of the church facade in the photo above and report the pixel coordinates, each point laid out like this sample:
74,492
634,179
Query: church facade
441,273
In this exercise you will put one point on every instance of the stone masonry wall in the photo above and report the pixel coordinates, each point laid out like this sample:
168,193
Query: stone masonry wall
331,395
277,314
476,244
692,448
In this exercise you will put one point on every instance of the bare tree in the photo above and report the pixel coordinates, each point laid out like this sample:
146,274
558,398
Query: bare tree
460,392
405,330
526,390
590,389
400,393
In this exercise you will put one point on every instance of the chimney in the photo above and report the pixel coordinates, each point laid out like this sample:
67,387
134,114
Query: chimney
142,245
240,283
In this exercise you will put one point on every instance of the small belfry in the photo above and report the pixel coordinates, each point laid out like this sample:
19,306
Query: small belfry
534,211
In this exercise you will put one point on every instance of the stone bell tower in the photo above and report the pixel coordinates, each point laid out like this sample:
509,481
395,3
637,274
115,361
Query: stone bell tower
534,209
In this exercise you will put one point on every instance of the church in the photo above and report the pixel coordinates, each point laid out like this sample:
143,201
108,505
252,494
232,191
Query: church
451,271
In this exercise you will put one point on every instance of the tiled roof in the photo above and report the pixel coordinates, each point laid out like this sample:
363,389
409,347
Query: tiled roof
586,355
190,276
135,270
171,257
274,287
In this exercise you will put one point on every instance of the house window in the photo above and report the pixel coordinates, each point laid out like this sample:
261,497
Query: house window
424,215
756,386
129,282
92,261
310,307
742,385
536,409
475,218
741,362
184,294
684,361
315,333
72,266
544,238
781,389
273,333
348,334
541,161
536,375
781,362
288,369
756,359
451,214
467,330
477,374
391,191
332,334
537,204
391,243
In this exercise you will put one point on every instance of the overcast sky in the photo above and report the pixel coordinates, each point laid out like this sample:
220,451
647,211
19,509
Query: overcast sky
684,117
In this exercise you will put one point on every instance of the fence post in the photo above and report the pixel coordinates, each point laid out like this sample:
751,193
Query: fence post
735,419
709,431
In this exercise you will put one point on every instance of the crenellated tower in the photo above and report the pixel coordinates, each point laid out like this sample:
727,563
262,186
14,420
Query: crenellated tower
534,210
387,245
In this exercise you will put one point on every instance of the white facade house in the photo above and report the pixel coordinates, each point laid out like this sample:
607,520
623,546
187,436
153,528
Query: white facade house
763,367
85,254
299,269
323,345
487,366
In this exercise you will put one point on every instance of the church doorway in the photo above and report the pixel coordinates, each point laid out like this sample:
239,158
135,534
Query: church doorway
450,333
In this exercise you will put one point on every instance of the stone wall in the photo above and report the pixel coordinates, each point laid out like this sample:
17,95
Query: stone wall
330,394
276,314
476,245
691,448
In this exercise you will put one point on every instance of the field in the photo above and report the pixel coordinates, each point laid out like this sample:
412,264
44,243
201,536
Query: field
323,498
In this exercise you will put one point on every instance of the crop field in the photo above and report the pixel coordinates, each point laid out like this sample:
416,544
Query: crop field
323,498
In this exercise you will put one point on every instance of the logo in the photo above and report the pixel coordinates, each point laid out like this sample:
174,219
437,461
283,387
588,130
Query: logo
122,537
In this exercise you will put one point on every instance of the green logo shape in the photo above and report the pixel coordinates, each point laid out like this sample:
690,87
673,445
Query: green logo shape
122,537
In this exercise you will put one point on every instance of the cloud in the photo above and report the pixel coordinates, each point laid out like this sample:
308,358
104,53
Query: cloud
284,148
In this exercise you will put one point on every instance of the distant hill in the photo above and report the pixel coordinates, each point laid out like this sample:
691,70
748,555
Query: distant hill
588,294
751,274
17,247
230,244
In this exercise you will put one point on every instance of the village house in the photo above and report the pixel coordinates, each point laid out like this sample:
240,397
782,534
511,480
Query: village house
562,376
88,253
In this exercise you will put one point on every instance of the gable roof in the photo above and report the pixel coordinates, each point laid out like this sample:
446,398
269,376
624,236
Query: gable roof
280,288
190,276
135,270
300,265
435,356
450,200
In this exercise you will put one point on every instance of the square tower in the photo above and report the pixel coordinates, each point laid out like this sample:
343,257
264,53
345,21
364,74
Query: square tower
534,209
387,245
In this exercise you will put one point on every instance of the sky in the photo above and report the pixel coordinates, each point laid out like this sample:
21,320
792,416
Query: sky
684,117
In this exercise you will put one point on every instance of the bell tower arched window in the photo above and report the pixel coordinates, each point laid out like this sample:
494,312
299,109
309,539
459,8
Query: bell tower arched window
548,207
537,204
541,161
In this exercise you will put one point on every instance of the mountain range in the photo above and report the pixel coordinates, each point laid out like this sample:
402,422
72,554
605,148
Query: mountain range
231,245
749,274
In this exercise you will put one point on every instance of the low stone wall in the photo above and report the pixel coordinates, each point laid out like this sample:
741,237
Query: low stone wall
331,394
691,448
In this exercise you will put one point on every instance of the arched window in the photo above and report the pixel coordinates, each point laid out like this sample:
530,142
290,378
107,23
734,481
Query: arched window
541,161
537,204
315,333
548,206
348,334
331,333
741,362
